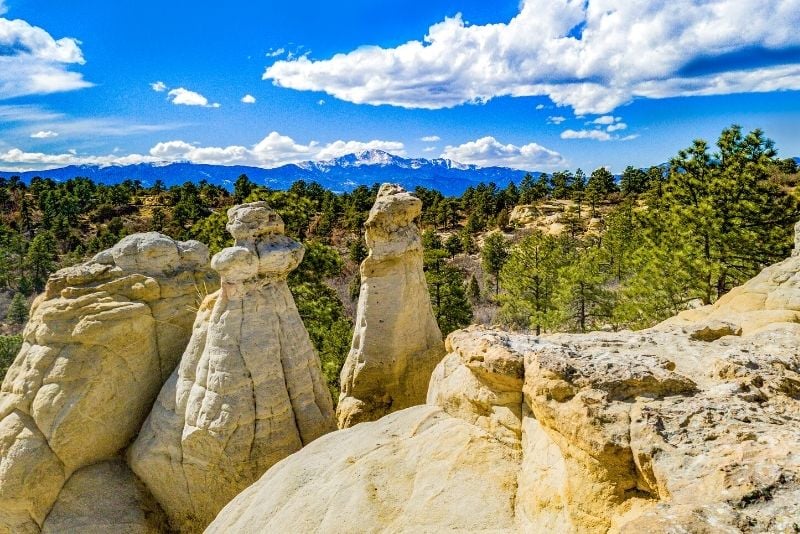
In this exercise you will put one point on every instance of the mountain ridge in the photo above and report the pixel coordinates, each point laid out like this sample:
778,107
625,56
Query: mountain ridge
344,173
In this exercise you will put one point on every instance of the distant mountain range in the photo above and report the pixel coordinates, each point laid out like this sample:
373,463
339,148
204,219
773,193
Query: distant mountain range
340,174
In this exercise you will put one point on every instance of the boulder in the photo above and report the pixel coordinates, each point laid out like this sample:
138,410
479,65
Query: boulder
397,342
102,498
100,342
249,389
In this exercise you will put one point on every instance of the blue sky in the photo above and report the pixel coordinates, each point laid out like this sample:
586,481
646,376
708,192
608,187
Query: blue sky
540,84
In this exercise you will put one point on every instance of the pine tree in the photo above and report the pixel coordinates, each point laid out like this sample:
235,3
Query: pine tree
582,298
493,256
41,258
451,306
529,281
17,310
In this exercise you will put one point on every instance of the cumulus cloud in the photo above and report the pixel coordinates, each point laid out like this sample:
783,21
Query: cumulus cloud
488,152
592,55
272,151
158,87
606,120
44,134
597,135
556,120
431,138
32,62
185,97
248,99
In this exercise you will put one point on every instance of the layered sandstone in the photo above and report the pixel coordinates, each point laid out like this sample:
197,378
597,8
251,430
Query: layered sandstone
397,342
248,391
100,342
681,428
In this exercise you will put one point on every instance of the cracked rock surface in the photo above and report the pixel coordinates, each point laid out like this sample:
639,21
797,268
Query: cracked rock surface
101,341
249,389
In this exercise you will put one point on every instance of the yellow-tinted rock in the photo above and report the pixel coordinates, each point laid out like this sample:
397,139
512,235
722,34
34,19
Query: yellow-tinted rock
100,342
397,342
249,389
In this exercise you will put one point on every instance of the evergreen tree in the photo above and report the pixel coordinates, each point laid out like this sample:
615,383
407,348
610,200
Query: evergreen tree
529,281
17,310
451,306
494,255
582,297
41,258
526,189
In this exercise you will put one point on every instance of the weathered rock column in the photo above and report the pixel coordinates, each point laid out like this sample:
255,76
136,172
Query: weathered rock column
249,390
396,343
101,341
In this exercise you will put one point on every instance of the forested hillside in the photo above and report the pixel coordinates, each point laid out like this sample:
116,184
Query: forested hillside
590,251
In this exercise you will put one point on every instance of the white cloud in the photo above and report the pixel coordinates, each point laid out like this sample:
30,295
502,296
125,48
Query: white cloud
185,97
272,151
606,120
430,138
625,50
44,134
276,53
556,120
616,127
429,149
158,87
488,152
597,135
33,62
320,102
248,99
539,107
3,8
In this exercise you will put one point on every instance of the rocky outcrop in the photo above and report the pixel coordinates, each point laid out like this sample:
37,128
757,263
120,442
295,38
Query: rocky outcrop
397,342
773,296
100,342
248,391
686,427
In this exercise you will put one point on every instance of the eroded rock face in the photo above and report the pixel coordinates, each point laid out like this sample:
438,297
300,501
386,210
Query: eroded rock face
248,391
397,342
680,428
100,342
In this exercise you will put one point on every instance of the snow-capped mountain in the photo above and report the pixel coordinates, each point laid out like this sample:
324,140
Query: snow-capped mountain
340,174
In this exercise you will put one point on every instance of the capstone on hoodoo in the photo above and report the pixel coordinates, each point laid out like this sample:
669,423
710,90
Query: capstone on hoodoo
249,390
397,342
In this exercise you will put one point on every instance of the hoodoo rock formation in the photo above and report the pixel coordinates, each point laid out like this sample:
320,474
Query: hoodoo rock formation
249,389
397,342
691,426
101,341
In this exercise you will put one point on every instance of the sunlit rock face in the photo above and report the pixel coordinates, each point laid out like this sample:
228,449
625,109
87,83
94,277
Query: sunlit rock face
688,427
249,389
397,342
101,341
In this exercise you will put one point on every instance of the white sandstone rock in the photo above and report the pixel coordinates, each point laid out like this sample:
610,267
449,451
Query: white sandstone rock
100,342
397,342
248,391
